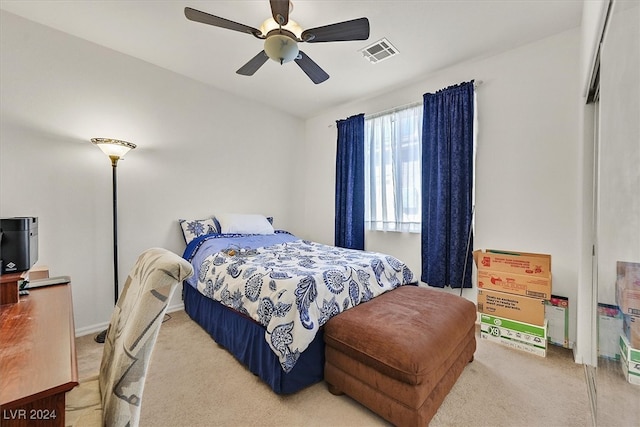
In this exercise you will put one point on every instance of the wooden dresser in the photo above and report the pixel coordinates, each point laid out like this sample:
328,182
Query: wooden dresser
37,357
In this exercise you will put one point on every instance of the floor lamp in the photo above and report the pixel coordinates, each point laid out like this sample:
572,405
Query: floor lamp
116,150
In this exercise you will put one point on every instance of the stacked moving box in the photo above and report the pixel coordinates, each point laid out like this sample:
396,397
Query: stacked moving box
609,329
512,289
628,299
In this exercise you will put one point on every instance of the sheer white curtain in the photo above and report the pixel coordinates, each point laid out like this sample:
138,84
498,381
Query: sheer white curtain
392,170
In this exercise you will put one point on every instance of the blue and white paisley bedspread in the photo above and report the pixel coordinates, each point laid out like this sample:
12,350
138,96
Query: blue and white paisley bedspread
293,288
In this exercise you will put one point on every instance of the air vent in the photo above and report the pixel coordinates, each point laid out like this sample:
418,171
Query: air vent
379,51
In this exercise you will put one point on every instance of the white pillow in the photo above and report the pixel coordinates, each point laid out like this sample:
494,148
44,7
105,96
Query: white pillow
244,224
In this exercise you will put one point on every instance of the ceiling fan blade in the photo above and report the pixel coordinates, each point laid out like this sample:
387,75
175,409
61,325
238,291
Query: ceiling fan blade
356,29
280,11
311,69
253,65
216,21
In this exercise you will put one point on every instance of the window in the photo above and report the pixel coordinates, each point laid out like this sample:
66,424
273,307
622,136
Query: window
392,170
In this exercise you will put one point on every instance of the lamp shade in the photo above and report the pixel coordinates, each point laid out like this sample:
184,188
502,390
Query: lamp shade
281,48
114,148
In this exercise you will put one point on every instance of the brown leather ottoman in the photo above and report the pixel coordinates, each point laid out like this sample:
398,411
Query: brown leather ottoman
400,353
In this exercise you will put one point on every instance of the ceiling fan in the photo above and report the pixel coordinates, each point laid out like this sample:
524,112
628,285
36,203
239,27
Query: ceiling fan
282,35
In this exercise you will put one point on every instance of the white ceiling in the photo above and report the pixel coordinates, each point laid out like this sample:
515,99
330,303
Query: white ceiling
430,35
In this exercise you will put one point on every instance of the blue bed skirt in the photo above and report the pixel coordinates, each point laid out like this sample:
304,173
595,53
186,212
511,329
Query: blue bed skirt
244,338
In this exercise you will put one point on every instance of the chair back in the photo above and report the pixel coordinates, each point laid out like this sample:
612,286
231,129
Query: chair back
133,331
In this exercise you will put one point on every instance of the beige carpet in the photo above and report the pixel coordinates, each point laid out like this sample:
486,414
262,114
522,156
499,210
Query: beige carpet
194,382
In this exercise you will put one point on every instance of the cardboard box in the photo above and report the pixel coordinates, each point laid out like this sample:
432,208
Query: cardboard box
629,361
556,311
519,284
524,263
627,297
609,330
628,287
513,330
38,272
631,329
630,270
511,306
518,345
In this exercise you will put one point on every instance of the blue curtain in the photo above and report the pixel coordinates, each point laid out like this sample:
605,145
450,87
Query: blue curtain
349,226
447,183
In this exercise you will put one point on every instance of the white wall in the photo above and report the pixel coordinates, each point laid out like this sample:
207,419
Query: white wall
200,151
527,169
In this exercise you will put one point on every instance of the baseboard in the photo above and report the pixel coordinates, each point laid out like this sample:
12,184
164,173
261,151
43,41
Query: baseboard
92,329
99,327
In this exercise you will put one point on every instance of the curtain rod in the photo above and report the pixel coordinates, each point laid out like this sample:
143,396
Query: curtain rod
393,110
476,83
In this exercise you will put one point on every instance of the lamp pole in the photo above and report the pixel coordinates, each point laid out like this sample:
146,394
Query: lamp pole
115,149
114,167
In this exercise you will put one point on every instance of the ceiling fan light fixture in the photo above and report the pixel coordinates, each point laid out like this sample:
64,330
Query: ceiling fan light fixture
281,48
270,24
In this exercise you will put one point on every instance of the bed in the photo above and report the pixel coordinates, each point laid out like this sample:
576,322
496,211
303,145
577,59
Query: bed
265,297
